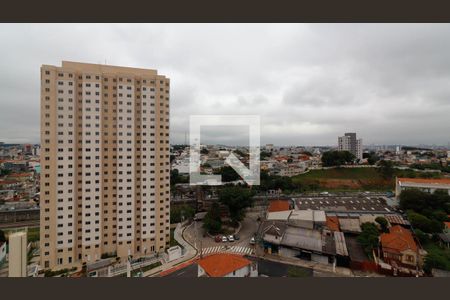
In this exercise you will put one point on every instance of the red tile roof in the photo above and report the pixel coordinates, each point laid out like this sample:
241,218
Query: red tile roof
333,223
447,224
398,240
20,175
219,265
278,205
425,180
8,181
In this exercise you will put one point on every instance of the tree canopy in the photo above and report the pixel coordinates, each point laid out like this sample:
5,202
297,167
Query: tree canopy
212,222
236,199
337,158
181,213
386,169
383,223
2,236
228,174
426,212
372,157
369,237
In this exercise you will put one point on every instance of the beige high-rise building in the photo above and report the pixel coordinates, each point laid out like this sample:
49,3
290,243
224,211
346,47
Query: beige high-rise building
17,254
105,173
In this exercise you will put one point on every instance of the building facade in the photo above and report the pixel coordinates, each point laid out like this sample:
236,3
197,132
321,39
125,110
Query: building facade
350,143
105,174
428,185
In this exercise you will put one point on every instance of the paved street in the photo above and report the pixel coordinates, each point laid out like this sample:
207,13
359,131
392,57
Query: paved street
278,269
194,233
190,271
229,249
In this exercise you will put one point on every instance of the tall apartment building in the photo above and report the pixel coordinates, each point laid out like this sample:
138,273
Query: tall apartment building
350,143
105,173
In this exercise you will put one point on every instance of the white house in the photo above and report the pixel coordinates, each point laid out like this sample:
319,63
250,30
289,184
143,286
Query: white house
226,265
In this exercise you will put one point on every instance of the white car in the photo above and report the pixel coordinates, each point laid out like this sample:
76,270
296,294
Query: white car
224,239
252,241
231,238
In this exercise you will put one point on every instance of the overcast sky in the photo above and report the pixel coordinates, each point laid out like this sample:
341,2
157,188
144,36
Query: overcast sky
310,83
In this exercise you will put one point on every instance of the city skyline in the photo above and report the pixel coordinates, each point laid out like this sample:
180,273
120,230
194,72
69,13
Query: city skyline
308,82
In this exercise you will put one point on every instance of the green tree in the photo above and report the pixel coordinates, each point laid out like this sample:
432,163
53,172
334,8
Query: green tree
383,223
228,174
435,259
422,236
369,237
423,223
264,154
212,221
4,172
435,207
204,151
2,236
386,168
414,199
236,199
175,177
372,157
337,158
178,214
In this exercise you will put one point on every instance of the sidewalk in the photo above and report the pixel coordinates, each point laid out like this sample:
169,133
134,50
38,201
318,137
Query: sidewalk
190,254
309,264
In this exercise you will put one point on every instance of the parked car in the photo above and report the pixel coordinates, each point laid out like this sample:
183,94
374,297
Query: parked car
236,237
252,241
231,238
224,239
218,239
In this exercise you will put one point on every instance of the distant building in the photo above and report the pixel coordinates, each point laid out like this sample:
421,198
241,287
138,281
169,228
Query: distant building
226,265
269,147
18,254
425,185
349,143
37,150
279,205
291,170
2,252
27,149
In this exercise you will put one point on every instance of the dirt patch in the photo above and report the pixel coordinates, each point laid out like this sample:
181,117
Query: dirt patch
340,183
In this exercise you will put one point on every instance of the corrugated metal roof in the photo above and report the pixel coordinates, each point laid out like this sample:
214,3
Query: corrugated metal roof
303,238
341,246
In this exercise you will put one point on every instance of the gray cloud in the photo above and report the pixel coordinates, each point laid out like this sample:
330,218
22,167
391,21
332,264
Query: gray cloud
308,82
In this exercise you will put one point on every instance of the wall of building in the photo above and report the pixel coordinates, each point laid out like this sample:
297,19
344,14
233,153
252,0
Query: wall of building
104,163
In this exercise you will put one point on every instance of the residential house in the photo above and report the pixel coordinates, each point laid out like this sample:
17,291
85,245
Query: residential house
226,265
398,248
